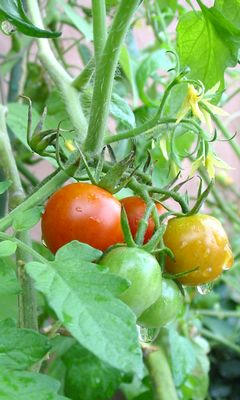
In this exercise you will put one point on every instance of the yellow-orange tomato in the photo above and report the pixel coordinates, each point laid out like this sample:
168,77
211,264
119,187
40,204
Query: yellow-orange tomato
197,241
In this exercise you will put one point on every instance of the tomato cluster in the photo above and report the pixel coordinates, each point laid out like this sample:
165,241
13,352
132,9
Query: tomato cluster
90,214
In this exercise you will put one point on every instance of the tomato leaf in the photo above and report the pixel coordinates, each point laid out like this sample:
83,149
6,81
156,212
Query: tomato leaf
80,23
181,354
157,60
27,219
4,186
213,43
28,385
230,9
7,248
127,66
112,179
120,110
196,384
8,280
88,375
14,353
17,118
83,297
13,11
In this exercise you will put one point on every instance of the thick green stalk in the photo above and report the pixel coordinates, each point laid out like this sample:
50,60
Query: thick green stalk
37,197
16,193
26,298
160,373
27,304
99,27
105,76
23,246
60,77
85,75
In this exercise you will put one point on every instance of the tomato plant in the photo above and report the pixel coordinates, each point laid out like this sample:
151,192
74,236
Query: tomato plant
166,309
82,212
142,270
198,241
119,98
135,208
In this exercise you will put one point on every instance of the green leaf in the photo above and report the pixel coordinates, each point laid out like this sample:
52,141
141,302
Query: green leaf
87,377
83,297
230,9
8,280
17,118
195,387
80,23
13,11
22,385
27,219
120,109
181,354
56,112
157,60
206,44
112,179
43,250
126,64
21,348
4,186
7,248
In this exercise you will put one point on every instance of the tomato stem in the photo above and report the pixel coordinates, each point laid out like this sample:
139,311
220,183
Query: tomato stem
27,300
147,127
160,373
59,75
143,224
85,75
41,193
99,28
126,229
104,76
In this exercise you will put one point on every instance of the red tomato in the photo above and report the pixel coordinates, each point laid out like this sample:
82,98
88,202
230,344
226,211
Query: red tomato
84,212
135,208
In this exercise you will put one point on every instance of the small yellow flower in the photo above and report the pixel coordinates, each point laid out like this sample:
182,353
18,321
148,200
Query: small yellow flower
210,162
69,145
224,179
194,101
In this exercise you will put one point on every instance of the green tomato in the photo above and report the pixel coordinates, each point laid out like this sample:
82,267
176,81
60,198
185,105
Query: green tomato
143,272
166,309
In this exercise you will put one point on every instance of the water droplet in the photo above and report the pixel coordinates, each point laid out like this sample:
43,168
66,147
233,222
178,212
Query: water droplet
147,335
205,289
183,244
97,380
78,209
97,220
226,267
91,196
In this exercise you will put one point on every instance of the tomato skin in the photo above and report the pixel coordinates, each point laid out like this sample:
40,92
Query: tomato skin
197,241
166,309
142,270
135,208
84,212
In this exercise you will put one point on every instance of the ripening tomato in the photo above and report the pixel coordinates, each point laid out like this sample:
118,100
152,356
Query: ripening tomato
84,212
135,208
166,309
197,241
143,272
